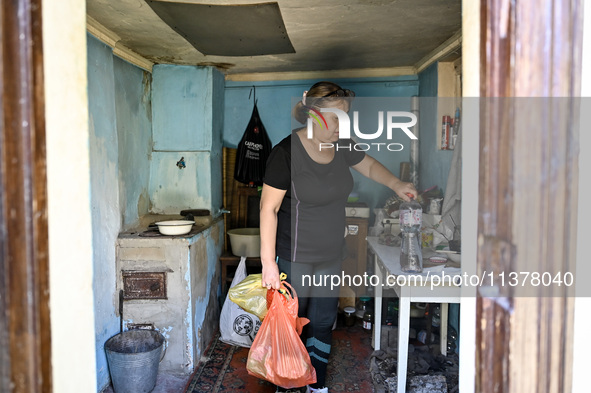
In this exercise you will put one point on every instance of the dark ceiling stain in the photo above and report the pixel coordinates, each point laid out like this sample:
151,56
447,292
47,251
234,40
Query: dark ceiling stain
221,66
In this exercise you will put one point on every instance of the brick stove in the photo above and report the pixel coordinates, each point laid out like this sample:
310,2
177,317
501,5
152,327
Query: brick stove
168,283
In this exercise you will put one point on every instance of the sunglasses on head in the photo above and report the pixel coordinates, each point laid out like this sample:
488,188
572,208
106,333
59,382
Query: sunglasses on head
340,93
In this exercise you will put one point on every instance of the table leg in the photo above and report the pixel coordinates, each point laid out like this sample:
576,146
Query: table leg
224,278
403,332
377,327
443,328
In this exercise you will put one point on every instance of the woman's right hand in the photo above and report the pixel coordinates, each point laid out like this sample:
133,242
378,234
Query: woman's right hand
270,276
405,190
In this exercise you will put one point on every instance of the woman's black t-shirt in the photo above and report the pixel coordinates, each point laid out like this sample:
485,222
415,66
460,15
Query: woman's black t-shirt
311,219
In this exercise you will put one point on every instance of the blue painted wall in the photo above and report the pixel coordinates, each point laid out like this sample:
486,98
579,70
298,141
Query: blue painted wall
104,189
172,189
181,107
276,98
134,125
187,108
122,160
434,163
218,97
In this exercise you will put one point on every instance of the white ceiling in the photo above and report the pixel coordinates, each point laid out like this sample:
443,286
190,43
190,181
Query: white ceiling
326,34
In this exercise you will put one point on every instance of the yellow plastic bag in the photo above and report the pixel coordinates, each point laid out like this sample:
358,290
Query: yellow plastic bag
250,295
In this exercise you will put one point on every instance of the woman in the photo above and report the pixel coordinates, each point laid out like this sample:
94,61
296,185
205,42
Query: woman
302,219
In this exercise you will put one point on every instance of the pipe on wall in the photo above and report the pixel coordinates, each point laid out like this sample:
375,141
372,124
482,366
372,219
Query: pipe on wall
414,144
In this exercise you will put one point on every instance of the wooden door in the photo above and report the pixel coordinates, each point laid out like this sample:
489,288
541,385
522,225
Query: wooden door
25,334
530,50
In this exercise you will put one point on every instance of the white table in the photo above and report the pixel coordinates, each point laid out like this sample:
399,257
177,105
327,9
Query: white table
387,262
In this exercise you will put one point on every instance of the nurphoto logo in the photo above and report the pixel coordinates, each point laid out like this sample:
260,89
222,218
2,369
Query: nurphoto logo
345,129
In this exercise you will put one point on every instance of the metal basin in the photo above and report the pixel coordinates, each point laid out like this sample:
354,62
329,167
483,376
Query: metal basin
245,242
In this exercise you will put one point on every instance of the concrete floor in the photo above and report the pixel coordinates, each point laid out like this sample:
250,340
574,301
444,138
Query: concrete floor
166,383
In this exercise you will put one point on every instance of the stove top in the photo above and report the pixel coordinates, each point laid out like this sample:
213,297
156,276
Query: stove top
151,233
154,233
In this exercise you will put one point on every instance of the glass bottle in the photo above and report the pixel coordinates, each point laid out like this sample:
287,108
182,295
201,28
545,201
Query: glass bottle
368,320
390,314
411,217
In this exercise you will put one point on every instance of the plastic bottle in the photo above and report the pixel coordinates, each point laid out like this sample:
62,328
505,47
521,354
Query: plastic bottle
446,125
411,217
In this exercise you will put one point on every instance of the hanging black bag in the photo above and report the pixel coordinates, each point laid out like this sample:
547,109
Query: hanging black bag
252,153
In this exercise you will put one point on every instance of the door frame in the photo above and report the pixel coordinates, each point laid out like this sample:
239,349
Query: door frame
25,333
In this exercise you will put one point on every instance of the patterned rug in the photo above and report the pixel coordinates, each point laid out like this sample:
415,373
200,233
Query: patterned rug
224,370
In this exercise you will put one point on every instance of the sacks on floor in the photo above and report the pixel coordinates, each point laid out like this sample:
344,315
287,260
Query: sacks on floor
238,327
278,354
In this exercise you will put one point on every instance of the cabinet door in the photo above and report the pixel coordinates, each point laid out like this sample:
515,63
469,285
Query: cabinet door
356,261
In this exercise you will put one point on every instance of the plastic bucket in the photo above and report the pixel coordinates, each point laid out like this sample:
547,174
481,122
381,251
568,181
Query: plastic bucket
133,358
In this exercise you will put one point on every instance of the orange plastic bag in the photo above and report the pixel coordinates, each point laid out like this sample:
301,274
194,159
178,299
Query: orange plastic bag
277,353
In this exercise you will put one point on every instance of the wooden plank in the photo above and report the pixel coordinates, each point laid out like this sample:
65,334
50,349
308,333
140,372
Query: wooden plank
528,190
24,202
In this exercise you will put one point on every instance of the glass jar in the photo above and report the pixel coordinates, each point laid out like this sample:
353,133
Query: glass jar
362,306
349,316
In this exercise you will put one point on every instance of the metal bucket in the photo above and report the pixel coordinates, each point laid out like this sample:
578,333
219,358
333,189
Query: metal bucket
133,358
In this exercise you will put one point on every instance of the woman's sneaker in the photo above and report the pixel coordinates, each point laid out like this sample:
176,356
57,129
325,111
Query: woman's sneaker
312,390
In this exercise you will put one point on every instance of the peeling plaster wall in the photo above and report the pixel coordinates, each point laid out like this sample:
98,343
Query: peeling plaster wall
218,99
104,193
187,108
205,287
134,130
181,106
120,147
123,159
172,189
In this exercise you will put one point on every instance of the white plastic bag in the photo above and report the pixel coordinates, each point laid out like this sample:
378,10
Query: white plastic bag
238,327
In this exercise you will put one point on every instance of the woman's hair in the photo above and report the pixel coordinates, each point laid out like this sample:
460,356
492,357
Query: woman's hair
319,95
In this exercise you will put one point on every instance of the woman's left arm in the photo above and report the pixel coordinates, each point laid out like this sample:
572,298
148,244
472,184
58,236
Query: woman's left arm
373,169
